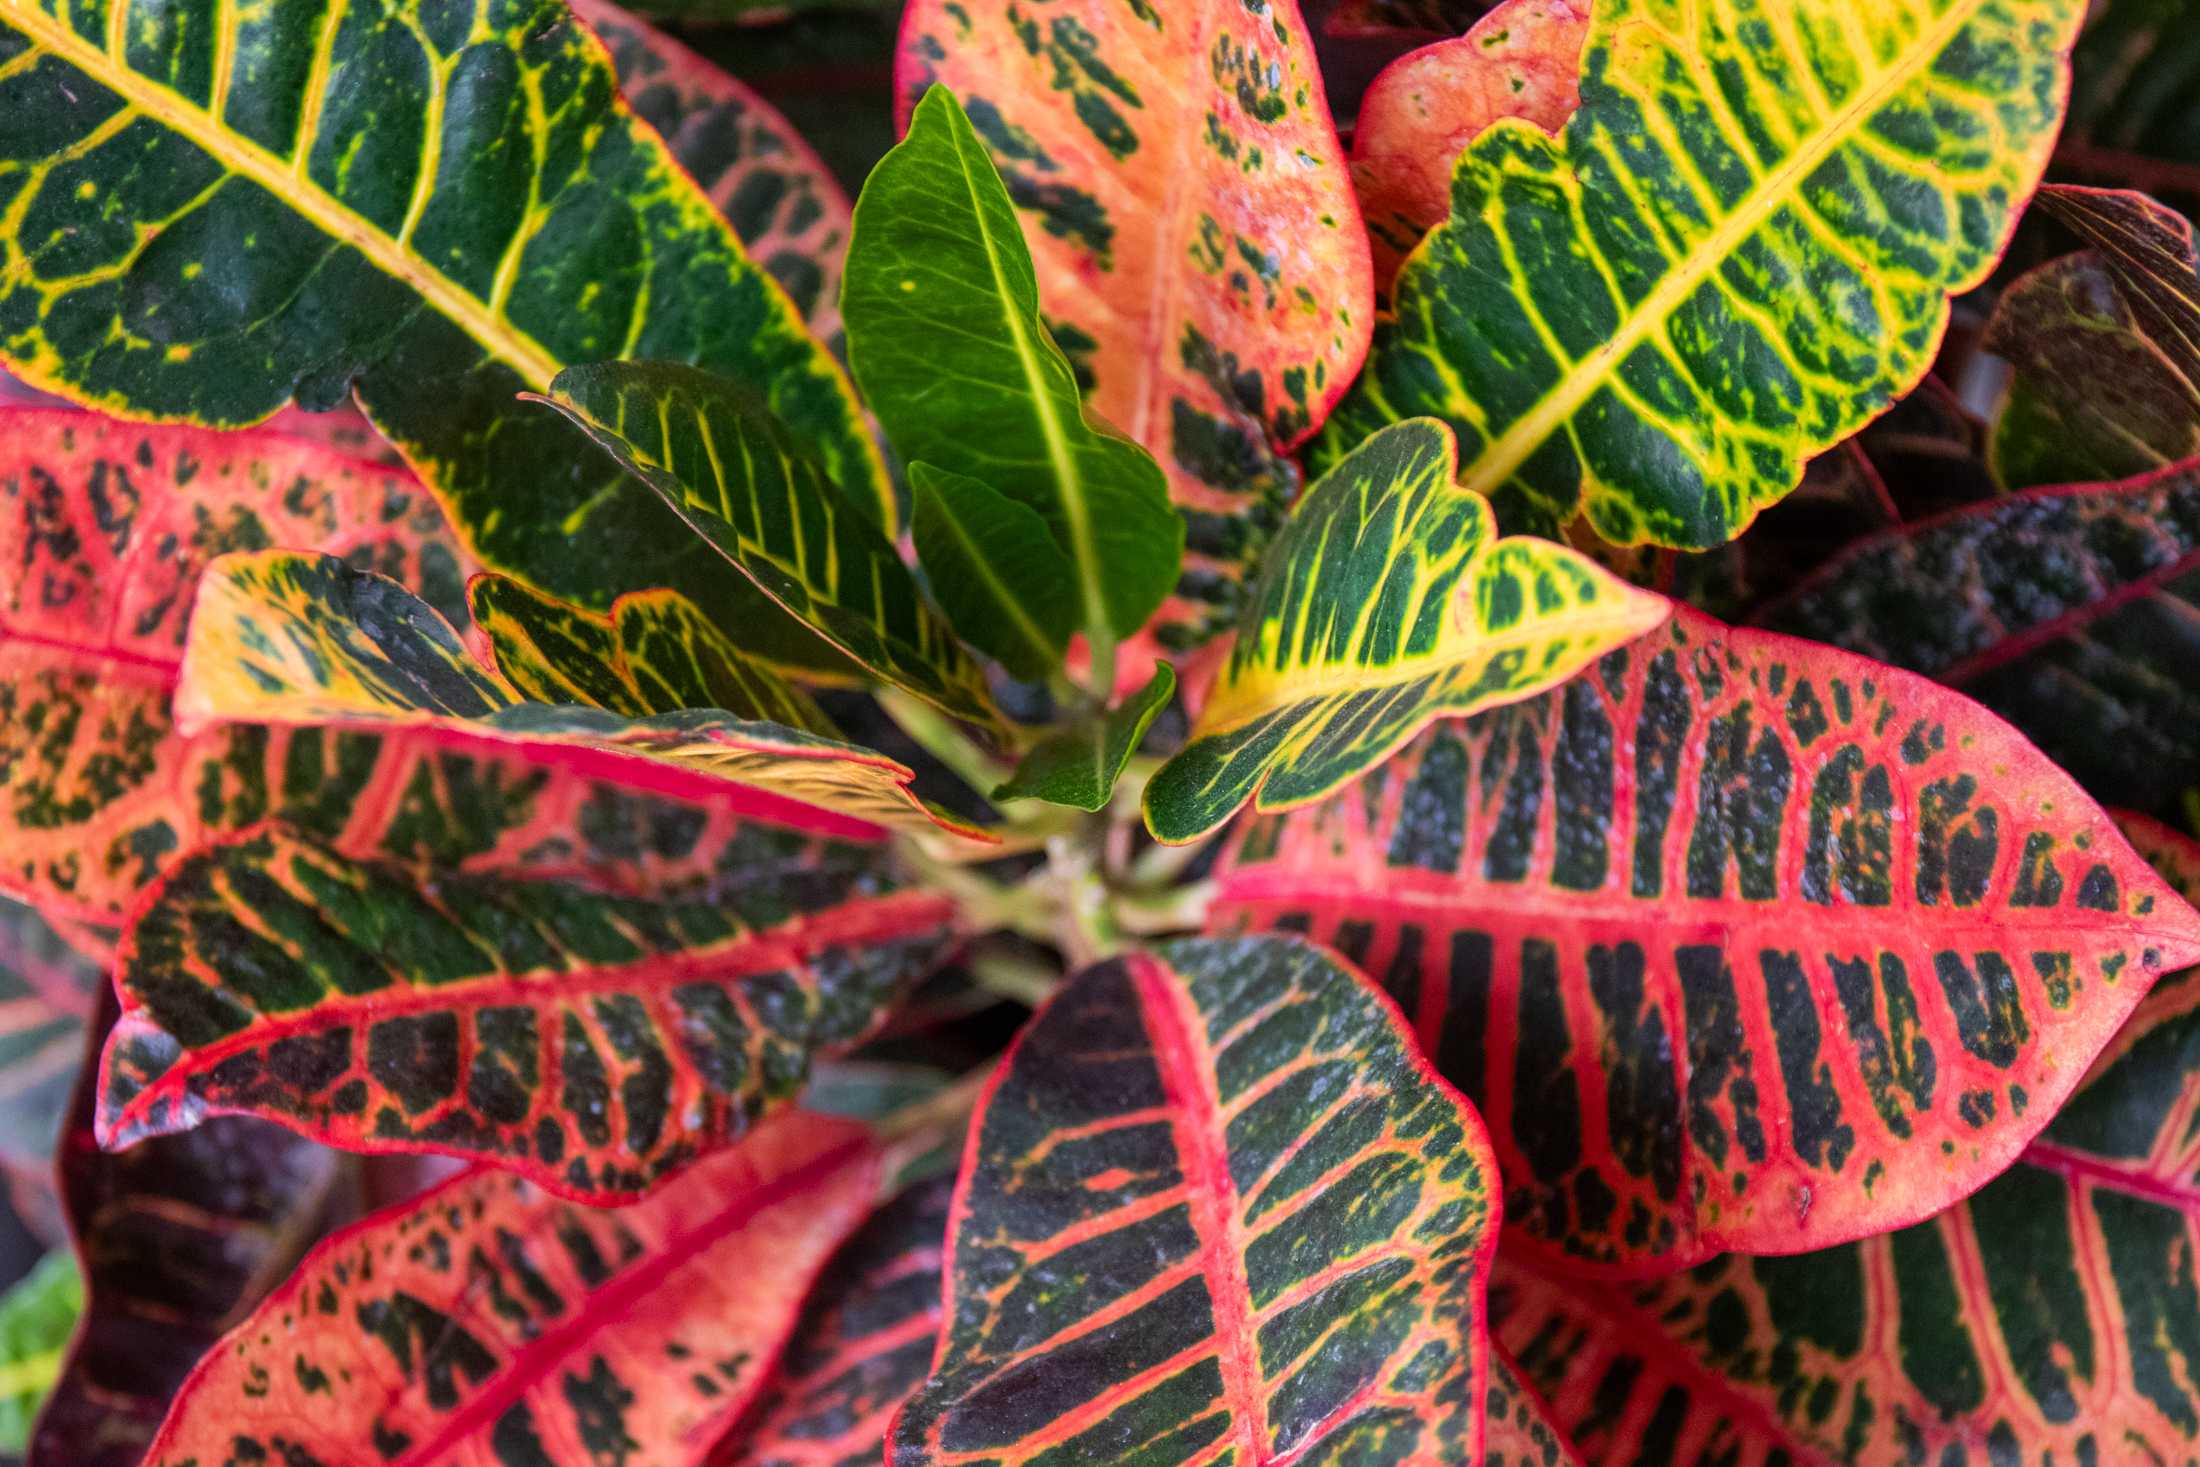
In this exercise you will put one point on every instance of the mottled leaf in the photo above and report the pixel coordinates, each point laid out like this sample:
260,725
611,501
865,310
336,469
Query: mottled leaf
1387,601
993,565
1197,247
1079,765
37,1315
1517,1430
708,448
2051,1318
945,337
222,210
1735,941
2070,612
1739,250
488,1325
1214,1207
1421,112
2148,248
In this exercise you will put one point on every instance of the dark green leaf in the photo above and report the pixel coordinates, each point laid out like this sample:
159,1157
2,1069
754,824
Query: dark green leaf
1079,765
994,567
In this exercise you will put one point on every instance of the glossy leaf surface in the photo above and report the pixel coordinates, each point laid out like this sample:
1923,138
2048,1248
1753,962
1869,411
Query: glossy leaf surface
1737,253
2048,1319
1387,601
1079,765
2067,611
1196,242
1276,1219
107,527
944,335
37,1315
1736,942
442,209
486,1325
1007,587
711,451
595,1043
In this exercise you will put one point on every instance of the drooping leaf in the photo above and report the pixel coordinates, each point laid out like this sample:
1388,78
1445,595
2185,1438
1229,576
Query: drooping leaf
778,195
1737,253
864,1342
1195,240
1421,112
594,1043
709,449
655,652
1387,601
1735,941
994,567
108,527
1079,765
2051,1318
48,990
437,209
299,639
945,337
37,1315
2067,611
2148,249
1276,1219
179,1239
485,1324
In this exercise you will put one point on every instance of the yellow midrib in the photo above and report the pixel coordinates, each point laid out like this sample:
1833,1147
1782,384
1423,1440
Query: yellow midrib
496,335
1511,448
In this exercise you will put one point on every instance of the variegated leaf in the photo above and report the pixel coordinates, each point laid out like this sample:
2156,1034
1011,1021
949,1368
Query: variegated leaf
2069,611
2148,247
1198,249
1517,1430
1738,252
221,211
487,1325
1215,1208
1737,942
1386,602
2049,1319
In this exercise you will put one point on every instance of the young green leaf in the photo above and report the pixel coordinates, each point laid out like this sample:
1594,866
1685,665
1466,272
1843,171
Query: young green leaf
711,450
1737,253
994,567
1387,601
37,1315
1078,766
945,338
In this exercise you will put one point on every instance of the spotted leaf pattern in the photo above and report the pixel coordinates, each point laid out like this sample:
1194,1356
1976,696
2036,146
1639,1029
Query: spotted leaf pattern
2068,611
2050,1318
1737,942
1737,253
1198,249
596,1043
485,1324
1214,1207
108,527
1387,601
217,211
1517,1428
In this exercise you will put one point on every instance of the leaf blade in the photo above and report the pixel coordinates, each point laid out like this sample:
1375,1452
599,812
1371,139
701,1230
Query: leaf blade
993,565
1079,765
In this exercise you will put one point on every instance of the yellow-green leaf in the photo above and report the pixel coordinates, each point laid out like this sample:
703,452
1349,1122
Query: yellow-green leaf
1738,252
1386,601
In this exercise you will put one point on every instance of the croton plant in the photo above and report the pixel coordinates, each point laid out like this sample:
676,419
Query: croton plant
1176,792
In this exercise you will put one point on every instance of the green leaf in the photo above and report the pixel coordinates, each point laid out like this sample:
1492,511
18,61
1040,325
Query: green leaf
1386,601
434,208
995,569
711,450
1079,765
944,335
1737,253
37,1316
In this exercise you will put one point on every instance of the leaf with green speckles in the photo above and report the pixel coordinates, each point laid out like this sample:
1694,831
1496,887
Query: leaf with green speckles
1280,1219
484,1324
1737,253
709,449
2053,1317
945,337
1736,942
37,1315
1190,220
216,210
1387,601
1079,765
994,567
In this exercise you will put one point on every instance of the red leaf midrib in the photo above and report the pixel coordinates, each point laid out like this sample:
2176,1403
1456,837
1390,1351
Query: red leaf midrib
2137,1180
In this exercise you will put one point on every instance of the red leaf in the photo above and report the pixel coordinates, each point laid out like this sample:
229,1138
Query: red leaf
1738,942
